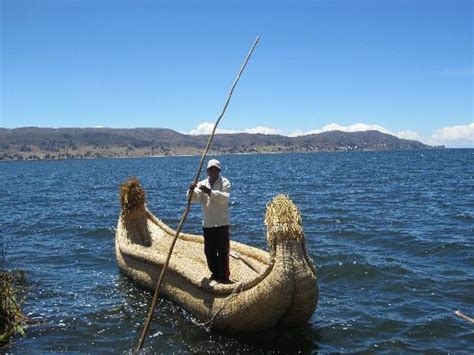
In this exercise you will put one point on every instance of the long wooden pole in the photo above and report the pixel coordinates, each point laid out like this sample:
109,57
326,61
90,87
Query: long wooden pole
186,211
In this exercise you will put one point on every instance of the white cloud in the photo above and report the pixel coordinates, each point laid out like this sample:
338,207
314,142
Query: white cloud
451,136
206,128
297,132
357,127
263,130
411,135
455,136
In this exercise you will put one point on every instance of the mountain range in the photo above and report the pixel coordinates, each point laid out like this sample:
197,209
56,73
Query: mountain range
32,143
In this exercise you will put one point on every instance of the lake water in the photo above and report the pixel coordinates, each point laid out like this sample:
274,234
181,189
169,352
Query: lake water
391,233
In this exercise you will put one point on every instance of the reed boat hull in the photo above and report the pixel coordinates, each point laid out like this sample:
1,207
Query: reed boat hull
269,288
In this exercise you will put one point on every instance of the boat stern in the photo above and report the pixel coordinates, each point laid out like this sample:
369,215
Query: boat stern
286,240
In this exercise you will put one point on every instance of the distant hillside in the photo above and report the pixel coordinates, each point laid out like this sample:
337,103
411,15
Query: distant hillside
29,143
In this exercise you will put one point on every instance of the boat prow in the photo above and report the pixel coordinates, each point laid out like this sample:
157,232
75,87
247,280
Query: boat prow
269,288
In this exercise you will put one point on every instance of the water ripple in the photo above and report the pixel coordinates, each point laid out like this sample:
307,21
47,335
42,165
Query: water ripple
390,233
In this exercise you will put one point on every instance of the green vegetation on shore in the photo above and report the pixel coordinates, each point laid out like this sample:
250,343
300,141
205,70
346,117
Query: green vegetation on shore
11,316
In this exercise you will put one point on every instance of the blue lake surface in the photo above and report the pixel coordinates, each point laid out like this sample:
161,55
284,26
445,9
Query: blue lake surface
391,234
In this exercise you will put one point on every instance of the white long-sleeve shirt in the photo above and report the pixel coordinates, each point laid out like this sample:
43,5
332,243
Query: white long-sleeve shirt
215,207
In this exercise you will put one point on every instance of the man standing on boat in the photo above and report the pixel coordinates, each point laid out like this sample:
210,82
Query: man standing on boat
213,194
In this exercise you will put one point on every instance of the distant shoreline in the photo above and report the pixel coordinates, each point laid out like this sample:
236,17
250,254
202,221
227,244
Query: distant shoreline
32,143
225,154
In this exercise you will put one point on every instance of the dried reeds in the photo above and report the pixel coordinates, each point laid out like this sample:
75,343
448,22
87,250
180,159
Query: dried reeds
283,220
11,316
132,196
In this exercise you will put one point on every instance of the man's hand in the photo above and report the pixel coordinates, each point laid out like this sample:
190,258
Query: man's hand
205,189
192,186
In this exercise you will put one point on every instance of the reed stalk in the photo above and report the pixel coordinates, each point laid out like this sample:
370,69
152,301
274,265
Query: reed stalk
11,316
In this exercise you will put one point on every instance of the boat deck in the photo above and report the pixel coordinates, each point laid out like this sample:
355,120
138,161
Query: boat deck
188,253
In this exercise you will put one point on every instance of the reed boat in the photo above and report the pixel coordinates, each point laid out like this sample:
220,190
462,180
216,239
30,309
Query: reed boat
278,287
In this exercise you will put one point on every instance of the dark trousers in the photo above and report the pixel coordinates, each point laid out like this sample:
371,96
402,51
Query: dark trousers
216,248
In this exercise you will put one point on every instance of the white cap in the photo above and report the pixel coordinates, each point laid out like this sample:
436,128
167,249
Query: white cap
214,162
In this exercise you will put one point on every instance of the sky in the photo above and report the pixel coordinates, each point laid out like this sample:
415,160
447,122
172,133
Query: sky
404,67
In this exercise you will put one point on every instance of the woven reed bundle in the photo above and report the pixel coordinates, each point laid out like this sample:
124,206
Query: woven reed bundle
277,287
132,196
283,220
